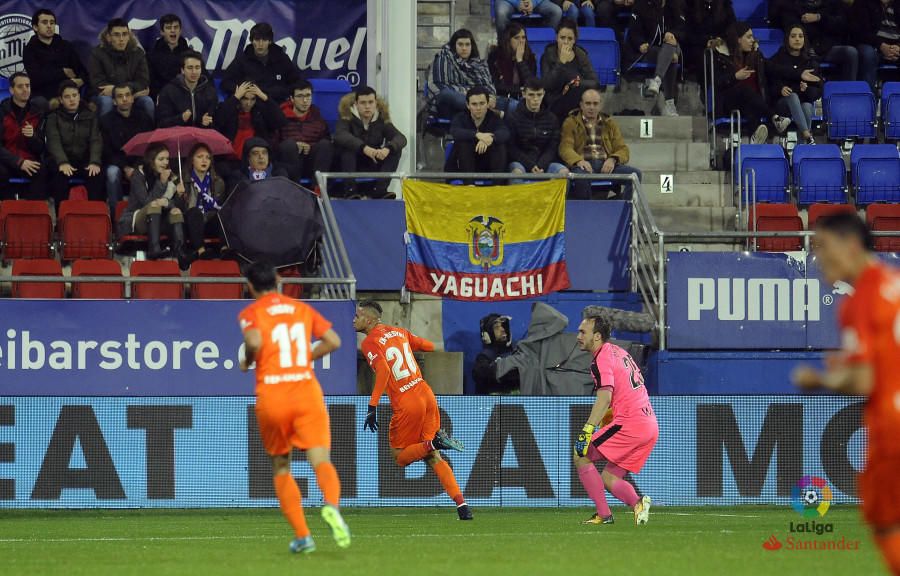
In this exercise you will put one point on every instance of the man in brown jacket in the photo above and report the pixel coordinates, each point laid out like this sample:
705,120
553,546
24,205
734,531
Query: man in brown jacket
592,143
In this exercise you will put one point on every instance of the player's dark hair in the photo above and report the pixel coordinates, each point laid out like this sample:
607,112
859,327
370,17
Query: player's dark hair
122,86
65,85
371,305
262,276
535,84
116,23
364,91
191,54
39,13
477,91
601,326
460,34
262,31
301,84
168,19
12,79
570,24
847,226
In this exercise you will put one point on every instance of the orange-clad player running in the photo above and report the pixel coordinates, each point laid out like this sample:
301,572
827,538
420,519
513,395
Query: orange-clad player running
290,406
415,431
868,364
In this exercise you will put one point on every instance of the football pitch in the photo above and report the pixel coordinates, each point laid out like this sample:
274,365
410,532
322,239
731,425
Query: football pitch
388,541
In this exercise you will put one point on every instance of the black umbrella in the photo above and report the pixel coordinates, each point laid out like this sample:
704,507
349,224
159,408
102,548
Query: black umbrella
275,219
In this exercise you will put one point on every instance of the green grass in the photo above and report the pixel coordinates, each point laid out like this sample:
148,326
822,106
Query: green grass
389,541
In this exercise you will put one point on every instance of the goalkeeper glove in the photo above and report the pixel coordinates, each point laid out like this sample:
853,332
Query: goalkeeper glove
581,445
371,422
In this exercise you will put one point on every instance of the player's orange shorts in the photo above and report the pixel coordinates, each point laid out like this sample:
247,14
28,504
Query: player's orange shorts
293,418
416,418
879,488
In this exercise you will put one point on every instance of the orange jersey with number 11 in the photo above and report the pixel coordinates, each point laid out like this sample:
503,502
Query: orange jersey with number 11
389,352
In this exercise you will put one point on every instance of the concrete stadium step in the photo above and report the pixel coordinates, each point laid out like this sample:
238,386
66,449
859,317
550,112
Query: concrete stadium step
664,129
694,219
707,188
674,156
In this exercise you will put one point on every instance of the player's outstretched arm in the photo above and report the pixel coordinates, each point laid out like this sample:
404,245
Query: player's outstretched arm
418,344
329,342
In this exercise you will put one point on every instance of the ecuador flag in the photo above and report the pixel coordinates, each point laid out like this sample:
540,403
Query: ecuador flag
485,243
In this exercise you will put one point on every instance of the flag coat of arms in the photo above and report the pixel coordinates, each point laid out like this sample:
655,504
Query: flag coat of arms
485,243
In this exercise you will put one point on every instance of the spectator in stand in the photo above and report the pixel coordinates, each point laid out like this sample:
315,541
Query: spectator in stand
116,60
165,58
505,9
117,128
708,22
795,81
256,164
566,70
305,145
74,145
151,208
49,59
22,140
479,137
533,134
741,82
876,28
248,113
456,68
613,14
199,197
581,11
591,143
264,64
497,344
824,23
654,37
512,64
365,140
190,98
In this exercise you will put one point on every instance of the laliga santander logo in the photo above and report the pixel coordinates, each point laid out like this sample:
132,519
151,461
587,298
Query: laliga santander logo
811,497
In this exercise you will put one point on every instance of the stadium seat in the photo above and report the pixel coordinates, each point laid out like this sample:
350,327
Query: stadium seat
97,290
327,94
211,268
291,290
890,110
819,174
129,243
885,218
538,40
849,109
25,229
156,291
777,218
38,267
770,166
770,40
875,170
83,229
817,211
753,12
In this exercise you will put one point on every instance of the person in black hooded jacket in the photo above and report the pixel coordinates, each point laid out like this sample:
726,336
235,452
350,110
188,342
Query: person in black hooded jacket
49,59
654,36
706,20
794,81
825,24
263,64
497,344
165,57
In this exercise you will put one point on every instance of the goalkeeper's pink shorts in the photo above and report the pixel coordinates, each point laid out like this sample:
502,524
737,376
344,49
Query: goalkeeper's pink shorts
625,442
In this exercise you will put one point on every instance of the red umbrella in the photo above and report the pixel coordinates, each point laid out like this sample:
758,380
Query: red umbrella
178,139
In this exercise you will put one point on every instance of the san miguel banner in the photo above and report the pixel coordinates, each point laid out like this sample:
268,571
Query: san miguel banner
324,39
486,243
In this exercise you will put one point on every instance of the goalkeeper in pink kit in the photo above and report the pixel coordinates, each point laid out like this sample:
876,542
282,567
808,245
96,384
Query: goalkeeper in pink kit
625,442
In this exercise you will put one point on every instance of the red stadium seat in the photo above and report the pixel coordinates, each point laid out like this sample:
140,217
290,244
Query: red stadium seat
884,218
817,211
208,268
25,229
777,218
38,267
97,291
291,290
83,229
156,291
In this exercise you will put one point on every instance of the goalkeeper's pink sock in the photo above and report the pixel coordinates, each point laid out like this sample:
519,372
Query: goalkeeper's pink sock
593,484
624,491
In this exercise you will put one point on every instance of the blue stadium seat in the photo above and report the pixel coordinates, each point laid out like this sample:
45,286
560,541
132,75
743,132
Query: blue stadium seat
890,109
539,39
771,168
819,174
876,173
327,93
600,44
753,12
849,109
770,40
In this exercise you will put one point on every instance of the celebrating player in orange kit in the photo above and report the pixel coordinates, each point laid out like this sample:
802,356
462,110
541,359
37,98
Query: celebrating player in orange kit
867,365
290,406
415,432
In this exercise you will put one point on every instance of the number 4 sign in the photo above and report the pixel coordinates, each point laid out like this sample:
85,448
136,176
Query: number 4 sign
666,184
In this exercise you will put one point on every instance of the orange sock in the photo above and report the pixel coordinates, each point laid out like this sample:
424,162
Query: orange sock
890,549
448,481
413,453
329,483
291,503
